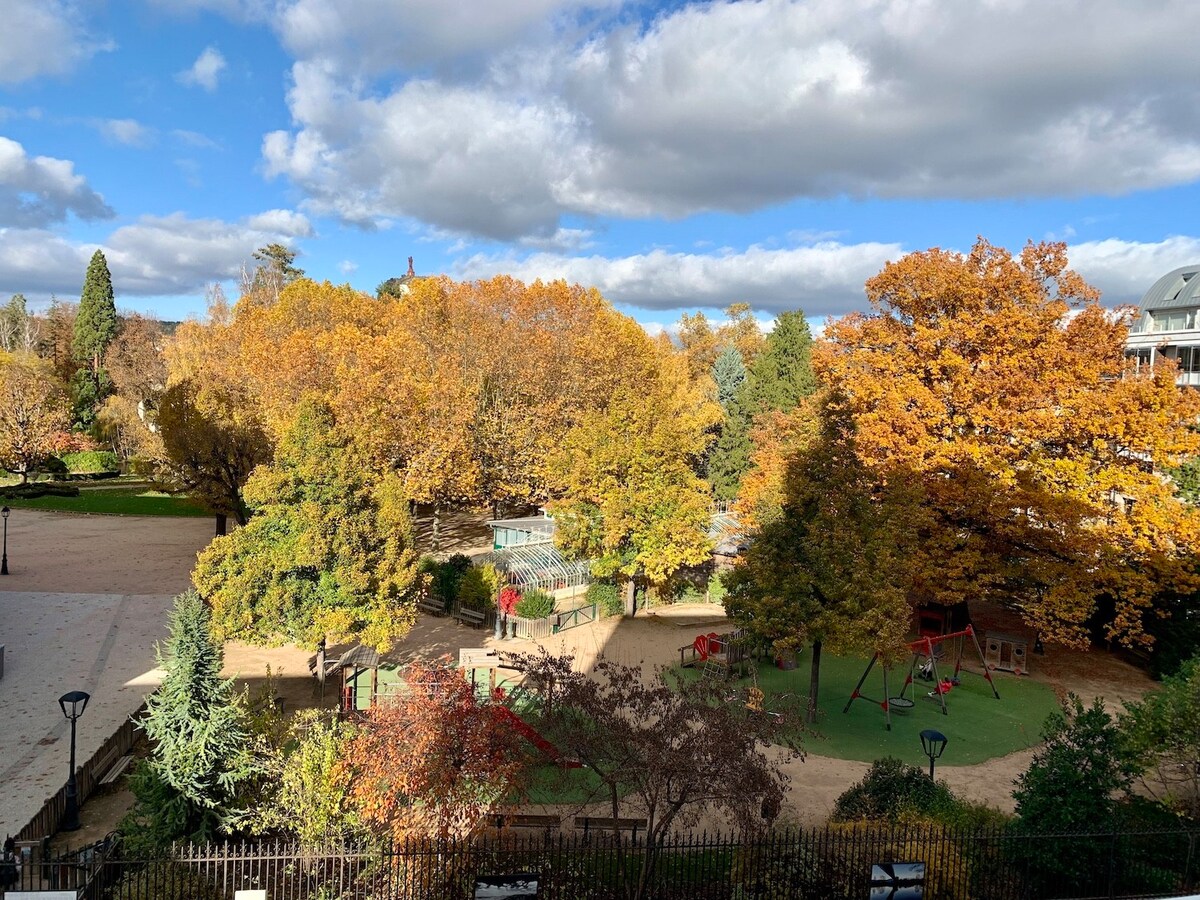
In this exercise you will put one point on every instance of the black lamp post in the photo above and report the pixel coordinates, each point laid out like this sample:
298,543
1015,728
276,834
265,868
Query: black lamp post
4,559
933,743
73,704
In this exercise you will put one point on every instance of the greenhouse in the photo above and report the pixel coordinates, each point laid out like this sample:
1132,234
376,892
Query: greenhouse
540,565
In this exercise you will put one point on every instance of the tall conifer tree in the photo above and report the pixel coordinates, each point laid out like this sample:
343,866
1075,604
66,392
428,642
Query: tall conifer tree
95,327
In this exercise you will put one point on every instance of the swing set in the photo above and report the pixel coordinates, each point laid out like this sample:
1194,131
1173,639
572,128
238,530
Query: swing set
924,647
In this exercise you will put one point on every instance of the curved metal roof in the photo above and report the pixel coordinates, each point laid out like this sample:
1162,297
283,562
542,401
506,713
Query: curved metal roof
1178,288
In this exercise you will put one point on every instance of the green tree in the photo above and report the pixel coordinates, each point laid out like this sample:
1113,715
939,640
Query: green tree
96,325
782,374
328,553
276,269
202,751
312,801
729,459
1070,786
1187,480
831,567
1163,731
18,331
729,372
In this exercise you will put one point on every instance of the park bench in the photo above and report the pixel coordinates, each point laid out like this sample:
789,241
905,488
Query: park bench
112,764
601,823
529,821
467,616
431,606
116,769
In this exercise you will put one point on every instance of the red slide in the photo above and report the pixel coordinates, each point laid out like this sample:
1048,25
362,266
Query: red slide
706,644
530,734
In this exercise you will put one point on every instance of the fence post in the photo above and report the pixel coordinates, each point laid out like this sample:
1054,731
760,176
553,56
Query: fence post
1191,854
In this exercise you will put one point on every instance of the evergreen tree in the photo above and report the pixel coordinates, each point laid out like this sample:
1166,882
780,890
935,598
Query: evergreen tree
728,372
782,374
96,321
95,327
729,459
203,750
16,333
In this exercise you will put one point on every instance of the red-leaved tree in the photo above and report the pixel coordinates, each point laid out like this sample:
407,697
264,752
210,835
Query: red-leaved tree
434,761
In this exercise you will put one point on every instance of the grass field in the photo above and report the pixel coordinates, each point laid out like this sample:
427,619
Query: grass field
978,726
118,501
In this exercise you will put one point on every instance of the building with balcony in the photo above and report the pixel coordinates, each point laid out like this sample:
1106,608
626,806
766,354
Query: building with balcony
1168,324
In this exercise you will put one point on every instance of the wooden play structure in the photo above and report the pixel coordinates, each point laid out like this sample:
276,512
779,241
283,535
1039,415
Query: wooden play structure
925,648
718,655
1006,653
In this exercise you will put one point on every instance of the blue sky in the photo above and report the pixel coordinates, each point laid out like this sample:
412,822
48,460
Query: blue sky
678,156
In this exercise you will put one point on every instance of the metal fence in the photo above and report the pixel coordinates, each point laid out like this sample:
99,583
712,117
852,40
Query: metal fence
836,863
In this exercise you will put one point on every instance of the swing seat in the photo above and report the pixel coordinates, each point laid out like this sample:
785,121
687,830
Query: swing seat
900,705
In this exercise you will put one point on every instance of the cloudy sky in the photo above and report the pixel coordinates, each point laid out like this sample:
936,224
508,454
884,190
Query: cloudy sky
677,155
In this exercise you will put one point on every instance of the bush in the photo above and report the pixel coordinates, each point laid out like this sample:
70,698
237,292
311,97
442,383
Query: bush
535,604
479,587
716,589
89,461
890,788
444,577
607,597
38,489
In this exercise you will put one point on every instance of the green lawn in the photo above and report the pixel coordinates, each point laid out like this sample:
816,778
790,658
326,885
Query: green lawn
131,501
978,726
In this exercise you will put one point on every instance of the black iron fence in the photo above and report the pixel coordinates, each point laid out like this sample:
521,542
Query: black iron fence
836,863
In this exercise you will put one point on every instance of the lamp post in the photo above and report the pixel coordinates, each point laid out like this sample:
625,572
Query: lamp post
73,704
933,743
4,559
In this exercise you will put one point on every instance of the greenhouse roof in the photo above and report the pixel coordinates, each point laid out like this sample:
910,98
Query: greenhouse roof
537,563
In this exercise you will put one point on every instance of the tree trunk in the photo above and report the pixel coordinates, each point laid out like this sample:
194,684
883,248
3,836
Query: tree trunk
630,598
222,524
435,539
814,683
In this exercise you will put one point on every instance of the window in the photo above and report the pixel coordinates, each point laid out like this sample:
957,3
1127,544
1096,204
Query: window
1189,359
1173,320
1141,358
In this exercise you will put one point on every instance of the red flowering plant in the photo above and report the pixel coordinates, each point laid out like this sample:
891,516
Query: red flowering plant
508,600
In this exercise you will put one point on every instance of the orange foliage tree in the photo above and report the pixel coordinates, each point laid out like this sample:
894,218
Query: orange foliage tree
998,386
436,761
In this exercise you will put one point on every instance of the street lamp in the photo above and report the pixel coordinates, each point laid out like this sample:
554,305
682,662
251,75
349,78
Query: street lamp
933,743
73,704
4,559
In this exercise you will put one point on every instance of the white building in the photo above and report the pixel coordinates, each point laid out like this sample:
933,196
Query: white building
1168,324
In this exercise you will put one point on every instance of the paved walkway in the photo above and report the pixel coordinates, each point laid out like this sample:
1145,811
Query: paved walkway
86,599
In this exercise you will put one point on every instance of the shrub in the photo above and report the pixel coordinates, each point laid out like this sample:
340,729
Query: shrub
607,597
444,577
479,587
38,489
508,600
88,461
890,788
716,589
535,604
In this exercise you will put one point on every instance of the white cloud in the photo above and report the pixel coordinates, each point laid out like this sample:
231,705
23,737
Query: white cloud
129,132
1125,270
347,267
205,71
285,222
156,256
822,279
40,190
43,37
195,139
729,106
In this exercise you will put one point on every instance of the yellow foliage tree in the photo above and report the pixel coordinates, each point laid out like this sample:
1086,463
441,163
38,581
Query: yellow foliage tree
33,409
999,386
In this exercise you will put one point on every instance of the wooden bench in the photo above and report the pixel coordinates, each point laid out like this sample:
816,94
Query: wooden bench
600,823
428,605
117,769
469,616
523,821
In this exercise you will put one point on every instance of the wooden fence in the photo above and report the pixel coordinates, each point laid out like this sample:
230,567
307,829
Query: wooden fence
87,776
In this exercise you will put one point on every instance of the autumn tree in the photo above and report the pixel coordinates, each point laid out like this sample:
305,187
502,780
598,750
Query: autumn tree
57,344
328,553
663,752
212,441
33,411
832,567
635,505
435,760
95,327
1020,424
135,362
